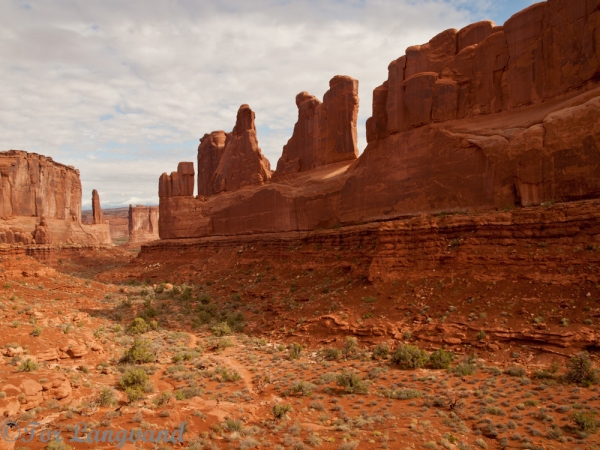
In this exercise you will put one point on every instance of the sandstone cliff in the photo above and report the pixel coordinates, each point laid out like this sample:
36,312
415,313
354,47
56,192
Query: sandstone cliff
481,118
143,223
325,132
40,199
35,185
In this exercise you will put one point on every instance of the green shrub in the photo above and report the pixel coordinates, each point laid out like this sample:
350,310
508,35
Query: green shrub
138,326
410,357
585,421
351,382
351,348
139,353
381,351
221,329
280,410
106,397
402,394
463,369
236,321
37,331
162,399
28,366
580,370
302,388
515,371
440,359
133,383
295,350
332,354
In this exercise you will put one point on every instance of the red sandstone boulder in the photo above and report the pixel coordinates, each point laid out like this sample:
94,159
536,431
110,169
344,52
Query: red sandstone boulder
325,133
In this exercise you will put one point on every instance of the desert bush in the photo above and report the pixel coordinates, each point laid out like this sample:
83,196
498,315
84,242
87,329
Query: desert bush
351,348
139,353
138,326
28,365
302,388
134,382
332,354
515,371
162,398
440,359
381,351
236,321
280,410
221,329
410,357
37,331
351,382
580,370
402,394
585,421
295,350
106,397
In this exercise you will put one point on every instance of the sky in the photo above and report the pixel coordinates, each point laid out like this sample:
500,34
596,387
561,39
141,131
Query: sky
123,90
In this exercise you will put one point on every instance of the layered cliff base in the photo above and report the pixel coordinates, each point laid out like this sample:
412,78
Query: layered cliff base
540,260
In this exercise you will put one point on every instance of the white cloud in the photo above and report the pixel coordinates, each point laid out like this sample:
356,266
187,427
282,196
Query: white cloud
123,90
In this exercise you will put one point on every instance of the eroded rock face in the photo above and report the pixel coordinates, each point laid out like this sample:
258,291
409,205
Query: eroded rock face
98,218
35,185
178,184
481,118
42,233
242,162
325,133
143,223
210,151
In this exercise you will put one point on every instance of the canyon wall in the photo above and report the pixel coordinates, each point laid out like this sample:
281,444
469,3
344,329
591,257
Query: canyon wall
486,117
42,198
143,223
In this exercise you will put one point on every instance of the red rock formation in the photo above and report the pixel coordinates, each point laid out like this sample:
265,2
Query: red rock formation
178,184
42,233
210,151
242,162
143,223
98,218
482,118
325,132
34,186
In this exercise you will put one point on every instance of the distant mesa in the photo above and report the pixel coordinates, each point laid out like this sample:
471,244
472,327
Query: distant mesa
40,202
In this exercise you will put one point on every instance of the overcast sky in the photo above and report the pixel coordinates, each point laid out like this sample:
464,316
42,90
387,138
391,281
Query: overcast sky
122,90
